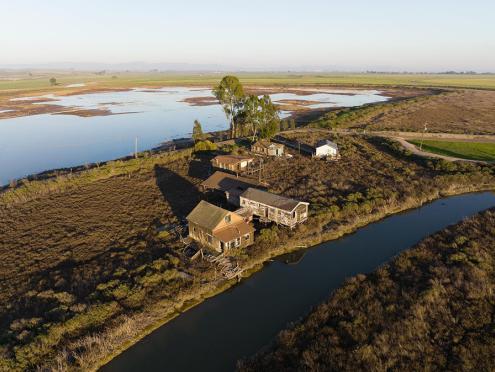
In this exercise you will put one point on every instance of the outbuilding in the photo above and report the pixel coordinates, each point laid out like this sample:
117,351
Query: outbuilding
265,147
233,163
274,208
326,148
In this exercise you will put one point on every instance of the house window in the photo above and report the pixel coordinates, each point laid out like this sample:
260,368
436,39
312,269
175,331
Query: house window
237,242
228,218
246,237
209,238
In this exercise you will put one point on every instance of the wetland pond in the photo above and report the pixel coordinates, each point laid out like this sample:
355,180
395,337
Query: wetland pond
238,322
35,143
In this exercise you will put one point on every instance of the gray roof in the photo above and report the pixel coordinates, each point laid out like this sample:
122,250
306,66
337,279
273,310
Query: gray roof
270,199
207,215
327,142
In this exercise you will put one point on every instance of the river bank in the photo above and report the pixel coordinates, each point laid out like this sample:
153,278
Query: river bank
254,269
429,307
78,232
158,318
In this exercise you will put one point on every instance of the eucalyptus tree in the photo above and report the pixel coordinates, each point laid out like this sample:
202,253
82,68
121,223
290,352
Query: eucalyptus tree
230,94
261,115
252,113
269,121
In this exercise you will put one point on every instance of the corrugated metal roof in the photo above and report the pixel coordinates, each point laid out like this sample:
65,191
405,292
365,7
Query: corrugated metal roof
267,144
270,199
207,215
231,159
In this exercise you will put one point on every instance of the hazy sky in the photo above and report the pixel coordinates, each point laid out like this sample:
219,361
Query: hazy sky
346,34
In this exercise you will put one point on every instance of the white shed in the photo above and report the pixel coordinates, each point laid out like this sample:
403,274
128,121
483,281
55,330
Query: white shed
326,148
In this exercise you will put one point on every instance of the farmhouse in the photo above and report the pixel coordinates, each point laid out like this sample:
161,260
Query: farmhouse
274,208
326,148
233,163
227,184
267,148
219,229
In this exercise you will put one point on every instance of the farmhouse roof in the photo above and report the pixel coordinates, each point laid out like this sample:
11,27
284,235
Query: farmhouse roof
326,142
231,232
231,159
270,199
207,215
225,181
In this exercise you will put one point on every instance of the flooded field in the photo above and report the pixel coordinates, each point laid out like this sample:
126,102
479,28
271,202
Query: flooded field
102,126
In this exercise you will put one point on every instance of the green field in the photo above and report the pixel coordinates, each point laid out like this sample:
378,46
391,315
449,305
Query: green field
464,150
39,80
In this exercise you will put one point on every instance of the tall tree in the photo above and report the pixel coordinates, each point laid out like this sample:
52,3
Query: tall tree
269,120
230,94
252,114
53,81
197,133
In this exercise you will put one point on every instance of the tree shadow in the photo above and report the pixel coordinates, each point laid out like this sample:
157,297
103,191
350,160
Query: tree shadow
178,192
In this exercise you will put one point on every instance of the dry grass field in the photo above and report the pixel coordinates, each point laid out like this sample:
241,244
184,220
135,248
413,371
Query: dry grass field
459,111
80,251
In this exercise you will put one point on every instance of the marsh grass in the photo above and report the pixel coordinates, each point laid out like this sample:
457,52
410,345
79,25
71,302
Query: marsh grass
430,308
87,248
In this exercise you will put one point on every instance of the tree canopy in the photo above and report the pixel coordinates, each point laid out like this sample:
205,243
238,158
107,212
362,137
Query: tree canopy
261,115
230,94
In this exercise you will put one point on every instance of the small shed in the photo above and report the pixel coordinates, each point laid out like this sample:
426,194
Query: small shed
233,163
268,148
326,148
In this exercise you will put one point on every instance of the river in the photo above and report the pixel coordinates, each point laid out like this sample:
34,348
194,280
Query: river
234,324
35,143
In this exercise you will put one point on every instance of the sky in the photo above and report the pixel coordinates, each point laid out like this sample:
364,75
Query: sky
345,35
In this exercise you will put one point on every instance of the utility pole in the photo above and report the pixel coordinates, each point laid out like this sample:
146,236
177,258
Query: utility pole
423,137
135,148
260,170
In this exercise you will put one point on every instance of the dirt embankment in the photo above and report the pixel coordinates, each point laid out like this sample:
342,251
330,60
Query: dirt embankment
35,102
201,101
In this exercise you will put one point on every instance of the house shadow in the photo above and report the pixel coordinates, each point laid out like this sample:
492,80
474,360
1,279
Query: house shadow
178,192
200,168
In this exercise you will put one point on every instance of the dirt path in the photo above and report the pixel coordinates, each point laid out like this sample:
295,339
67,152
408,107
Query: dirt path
415,150
402,138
